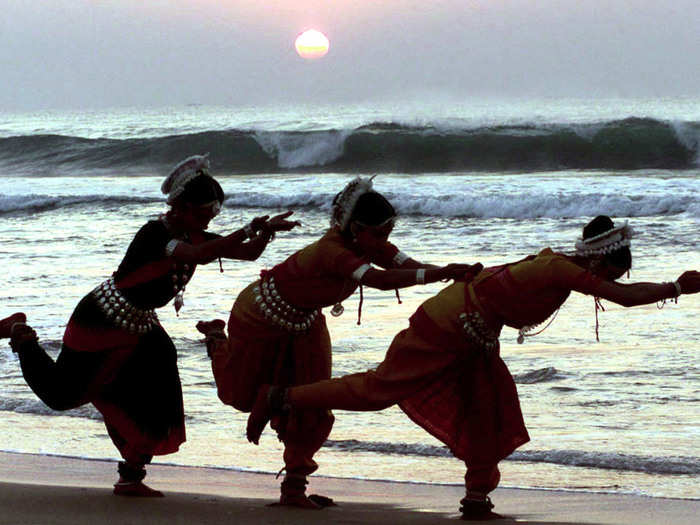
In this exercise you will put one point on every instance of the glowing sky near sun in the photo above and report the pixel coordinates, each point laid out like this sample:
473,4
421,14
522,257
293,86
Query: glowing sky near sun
169,52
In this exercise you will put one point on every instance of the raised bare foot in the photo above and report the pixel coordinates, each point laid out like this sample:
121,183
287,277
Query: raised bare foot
6,324
135,489
21,333
207,327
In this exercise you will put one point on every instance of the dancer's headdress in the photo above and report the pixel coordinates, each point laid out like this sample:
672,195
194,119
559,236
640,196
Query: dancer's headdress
184,172
347,199
606,242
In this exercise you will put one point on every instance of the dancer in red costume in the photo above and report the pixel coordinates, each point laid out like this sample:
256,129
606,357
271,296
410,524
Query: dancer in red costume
277,333
115,353
445,372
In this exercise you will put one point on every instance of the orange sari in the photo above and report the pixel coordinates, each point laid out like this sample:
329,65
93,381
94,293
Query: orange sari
263,349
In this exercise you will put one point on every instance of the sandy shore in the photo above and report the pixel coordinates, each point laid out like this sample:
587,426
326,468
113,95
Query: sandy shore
50,490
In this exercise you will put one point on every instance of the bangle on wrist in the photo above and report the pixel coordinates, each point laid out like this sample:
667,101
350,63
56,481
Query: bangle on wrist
677,285
420,276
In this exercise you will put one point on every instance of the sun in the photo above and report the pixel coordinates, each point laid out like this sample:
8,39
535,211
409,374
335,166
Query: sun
311,44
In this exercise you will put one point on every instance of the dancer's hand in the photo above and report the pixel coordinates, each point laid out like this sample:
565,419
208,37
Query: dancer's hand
473,271
279,223
461,272
258,223
689,282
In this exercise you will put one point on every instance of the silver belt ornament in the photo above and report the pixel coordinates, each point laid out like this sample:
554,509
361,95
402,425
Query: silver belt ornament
477,331
120,312
280,312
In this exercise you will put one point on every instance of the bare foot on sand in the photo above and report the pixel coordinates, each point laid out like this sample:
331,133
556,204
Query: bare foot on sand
136,489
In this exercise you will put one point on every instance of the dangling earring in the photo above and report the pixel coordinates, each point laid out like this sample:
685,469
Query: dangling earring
353,234
337,310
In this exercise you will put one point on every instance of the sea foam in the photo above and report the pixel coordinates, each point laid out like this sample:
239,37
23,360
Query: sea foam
578,458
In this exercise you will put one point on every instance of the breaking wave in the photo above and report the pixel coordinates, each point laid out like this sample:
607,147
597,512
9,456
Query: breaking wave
633,143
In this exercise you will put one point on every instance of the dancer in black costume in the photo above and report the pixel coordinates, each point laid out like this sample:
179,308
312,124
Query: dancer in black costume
115,353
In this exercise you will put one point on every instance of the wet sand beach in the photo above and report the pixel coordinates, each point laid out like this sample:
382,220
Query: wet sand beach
55,490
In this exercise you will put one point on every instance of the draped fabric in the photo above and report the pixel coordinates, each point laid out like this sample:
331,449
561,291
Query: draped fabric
472,404
258,353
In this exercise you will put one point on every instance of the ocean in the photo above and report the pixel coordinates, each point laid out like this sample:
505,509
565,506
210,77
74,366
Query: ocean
487,180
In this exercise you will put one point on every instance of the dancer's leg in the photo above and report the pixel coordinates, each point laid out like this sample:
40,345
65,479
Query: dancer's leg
304,431
409,364
132,470
239,365
479,482
130,484
61,385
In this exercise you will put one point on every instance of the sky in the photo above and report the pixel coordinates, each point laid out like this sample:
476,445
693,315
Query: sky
114,53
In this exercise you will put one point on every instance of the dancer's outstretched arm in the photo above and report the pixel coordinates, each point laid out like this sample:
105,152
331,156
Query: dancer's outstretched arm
412,264
233,246
636,294
402,278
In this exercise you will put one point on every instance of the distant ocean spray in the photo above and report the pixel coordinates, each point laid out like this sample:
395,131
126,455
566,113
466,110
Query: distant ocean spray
380,147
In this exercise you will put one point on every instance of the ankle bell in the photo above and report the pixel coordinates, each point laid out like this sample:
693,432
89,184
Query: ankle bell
131,473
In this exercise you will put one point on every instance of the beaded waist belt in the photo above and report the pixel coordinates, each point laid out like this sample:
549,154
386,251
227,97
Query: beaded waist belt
478,332
279,311
121,312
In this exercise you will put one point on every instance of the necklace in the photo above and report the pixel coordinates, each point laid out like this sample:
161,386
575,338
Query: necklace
179,275
525,330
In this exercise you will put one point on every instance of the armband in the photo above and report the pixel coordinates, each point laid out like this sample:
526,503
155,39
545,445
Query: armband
400,258
358,274
679,291
170,247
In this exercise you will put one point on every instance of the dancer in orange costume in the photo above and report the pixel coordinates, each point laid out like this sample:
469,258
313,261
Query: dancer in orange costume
445,371
115,353
278,334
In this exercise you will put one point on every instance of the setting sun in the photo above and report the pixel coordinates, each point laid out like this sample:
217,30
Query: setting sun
311,44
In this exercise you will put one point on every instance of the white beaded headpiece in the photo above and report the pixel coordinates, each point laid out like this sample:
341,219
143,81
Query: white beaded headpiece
346,201
184,172
606,242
